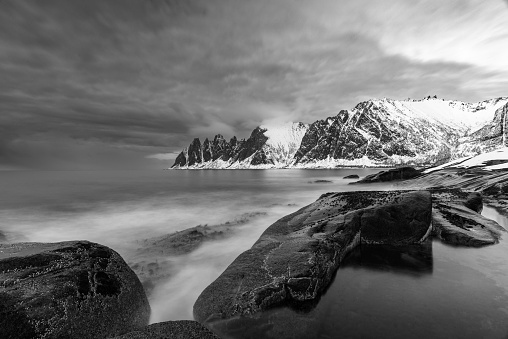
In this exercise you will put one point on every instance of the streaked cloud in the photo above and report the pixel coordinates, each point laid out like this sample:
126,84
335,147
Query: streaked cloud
90,81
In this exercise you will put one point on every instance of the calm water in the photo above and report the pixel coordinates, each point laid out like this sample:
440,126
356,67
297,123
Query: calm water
430,291
118,209
433,291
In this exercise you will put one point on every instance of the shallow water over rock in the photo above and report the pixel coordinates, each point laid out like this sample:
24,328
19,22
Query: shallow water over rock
429,291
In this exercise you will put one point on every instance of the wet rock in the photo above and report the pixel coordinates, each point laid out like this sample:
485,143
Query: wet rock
182,329
352,176
73,289
401,173
404,221
295,258
474,202
456,224
153,261
322,181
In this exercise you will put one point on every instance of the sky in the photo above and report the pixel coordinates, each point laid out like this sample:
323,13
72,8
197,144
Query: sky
129,83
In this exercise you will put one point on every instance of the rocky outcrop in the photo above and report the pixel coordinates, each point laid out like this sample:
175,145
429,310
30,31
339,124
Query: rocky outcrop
73,289
182,329
375,133
274,147
491,136
152,261
474,202
322,181
401,173
352,176
295,258
456,220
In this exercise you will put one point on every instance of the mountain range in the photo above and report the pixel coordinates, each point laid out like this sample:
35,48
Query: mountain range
375,133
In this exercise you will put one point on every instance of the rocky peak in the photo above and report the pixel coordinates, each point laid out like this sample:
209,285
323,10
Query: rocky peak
382,132
194,152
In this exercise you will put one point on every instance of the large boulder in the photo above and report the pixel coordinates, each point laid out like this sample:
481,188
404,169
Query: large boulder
181,329
474,202
72,289
295,258
456,221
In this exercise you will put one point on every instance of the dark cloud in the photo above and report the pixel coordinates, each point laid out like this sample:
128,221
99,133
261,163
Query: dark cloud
99,82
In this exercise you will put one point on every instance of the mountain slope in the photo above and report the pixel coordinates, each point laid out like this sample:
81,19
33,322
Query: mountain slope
375,133
267,147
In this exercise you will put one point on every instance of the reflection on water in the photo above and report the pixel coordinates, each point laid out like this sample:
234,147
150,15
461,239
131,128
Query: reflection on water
429,291
414,260
432,292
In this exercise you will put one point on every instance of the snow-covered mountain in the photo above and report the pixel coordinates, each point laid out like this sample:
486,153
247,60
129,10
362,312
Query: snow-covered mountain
381,132
267,147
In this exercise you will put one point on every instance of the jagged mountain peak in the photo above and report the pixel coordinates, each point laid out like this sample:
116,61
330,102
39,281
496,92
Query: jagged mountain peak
376,132
267,146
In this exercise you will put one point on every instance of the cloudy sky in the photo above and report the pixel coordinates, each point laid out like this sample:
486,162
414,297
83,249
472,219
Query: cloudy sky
87,84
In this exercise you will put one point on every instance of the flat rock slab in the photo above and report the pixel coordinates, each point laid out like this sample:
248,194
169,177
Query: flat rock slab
74,289
457,224
181,329
395,174
295,258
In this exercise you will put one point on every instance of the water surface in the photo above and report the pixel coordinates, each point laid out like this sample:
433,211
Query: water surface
432,291
428,291
119,208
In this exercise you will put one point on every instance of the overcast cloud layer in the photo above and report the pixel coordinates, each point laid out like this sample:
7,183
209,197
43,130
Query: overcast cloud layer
89,83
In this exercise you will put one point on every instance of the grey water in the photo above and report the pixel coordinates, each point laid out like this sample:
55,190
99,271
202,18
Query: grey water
434,291
120,208
428,291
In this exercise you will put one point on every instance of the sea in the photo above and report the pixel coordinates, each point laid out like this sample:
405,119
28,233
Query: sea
443,292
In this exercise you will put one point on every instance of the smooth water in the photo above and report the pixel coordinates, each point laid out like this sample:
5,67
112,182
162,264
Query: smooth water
432,291
428,291
119,208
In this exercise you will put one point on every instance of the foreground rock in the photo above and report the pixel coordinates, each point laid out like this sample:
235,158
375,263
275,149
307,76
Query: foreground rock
402,173
295,258
457,222
68,290
182,329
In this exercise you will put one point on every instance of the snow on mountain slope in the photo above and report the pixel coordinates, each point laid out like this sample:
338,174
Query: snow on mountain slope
382,132
267,147
390,133
283,142
494,160
455,114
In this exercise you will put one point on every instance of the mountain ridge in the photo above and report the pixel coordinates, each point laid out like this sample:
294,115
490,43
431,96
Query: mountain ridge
375,133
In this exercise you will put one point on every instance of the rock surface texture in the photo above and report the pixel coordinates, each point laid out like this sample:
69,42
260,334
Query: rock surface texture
182,329
295,259
457,224
73,289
